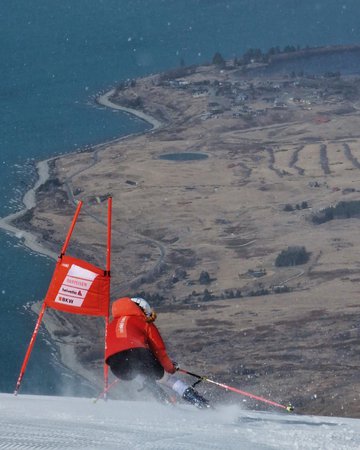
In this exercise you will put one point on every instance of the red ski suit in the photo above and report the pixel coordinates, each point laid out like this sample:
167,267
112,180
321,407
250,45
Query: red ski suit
129,329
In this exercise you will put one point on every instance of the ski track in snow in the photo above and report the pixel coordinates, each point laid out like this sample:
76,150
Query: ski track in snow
39,422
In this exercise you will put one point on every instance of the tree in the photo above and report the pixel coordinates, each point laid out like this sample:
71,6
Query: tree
204,277
274,51
343,210
253,54
218,60
289,49
207,296
292,256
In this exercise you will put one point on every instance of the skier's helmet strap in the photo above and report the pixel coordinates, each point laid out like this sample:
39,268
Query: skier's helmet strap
144,305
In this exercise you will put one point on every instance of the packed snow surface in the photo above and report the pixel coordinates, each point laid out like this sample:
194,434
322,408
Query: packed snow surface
39,422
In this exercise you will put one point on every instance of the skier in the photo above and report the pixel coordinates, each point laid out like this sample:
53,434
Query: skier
135,347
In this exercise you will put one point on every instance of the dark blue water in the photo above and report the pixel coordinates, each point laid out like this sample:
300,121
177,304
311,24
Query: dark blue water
55,56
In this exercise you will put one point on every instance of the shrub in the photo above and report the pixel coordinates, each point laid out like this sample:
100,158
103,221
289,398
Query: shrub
288,207
293,256
204,277
281,289
259,292
343,210
218,60
207,296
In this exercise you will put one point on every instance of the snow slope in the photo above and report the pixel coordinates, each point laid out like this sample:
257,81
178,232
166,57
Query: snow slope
39,422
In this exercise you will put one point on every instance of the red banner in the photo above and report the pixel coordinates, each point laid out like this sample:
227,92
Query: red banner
78,287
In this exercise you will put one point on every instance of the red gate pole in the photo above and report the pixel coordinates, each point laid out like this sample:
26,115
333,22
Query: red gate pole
108,247
106,367
108,273
42,311
30,347
71,229
103,393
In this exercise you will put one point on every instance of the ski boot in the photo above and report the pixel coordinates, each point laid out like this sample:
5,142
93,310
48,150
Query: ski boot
193,397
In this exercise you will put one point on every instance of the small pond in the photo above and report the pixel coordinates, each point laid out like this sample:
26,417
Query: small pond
183,156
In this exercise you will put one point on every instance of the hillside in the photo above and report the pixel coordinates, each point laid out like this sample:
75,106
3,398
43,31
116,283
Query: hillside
200,237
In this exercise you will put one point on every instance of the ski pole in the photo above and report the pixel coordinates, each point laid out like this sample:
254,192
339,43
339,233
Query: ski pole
106,390
289,407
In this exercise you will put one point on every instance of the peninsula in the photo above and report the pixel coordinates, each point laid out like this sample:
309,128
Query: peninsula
227,218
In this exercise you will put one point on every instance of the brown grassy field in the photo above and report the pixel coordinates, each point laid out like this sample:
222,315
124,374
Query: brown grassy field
225,215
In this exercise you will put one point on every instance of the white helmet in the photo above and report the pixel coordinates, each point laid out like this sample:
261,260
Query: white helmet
144,305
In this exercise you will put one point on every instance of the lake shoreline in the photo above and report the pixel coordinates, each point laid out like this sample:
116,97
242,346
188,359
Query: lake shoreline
29,239
66,351
269,147
105,100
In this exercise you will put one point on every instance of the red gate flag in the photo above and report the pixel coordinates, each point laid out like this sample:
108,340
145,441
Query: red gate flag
79,287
